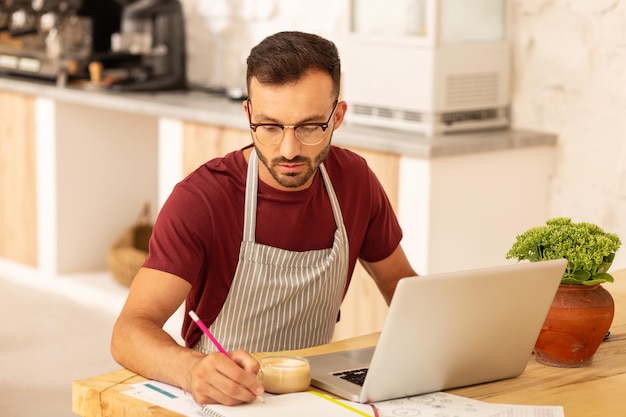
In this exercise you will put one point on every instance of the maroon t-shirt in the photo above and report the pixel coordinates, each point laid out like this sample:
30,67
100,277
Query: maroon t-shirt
198,232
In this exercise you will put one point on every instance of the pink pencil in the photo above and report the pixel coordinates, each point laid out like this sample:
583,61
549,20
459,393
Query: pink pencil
208,334
206,331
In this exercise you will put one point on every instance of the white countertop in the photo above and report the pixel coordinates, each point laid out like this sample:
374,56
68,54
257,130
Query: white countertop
219,111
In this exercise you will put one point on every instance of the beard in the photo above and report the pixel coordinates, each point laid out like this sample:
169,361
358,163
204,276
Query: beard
294,180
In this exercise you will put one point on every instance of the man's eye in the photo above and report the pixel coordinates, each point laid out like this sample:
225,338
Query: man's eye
308,130
270,129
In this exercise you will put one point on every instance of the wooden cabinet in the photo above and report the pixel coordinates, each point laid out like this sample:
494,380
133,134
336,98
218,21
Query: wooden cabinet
364,310
202,143
18,194
72,179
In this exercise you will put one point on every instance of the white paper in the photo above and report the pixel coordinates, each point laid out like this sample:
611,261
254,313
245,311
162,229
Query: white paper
534,411
442,403
438,404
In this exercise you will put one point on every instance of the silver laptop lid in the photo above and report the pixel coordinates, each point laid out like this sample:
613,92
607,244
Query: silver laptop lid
461,328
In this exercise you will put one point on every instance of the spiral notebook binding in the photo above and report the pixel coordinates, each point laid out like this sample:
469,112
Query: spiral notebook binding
206,409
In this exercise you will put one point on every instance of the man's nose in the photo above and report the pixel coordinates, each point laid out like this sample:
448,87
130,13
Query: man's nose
290,146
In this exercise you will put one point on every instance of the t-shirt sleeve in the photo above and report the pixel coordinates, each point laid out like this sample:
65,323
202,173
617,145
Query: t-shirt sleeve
178,243
383,234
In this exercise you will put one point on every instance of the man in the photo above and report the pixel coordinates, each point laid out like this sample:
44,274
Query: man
262,242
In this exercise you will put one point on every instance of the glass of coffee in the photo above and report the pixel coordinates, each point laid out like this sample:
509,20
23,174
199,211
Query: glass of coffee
283,374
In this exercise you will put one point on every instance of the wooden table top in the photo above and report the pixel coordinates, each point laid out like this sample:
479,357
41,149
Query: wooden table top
595,390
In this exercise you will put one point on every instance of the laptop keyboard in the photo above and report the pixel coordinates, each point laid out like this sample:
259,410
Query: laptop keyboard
356,376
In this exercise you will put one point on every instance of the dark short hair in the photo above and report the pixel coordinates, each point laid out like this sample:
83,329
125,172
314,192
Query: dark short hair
286,57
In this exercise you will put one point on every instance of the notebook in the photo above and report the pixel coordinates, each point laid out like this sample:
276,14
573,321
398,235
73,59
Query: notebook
299,404
448,330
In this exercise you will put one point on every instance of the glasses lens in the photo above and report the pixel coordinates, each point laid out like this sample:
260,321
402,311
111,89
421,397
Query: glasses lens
272,135
269,135
309,135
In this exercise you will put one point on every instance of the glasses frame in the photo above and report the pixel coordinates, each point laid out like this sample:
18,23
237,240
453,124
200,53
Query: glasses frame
282,127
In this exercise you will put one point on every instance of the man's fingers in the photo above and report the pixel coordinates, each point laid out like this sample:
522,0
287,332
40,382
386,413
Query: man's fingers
219,379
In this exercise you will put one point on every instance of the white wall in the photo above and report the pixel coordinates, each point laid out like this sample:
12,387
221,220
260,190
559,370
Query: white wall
569,78
220,33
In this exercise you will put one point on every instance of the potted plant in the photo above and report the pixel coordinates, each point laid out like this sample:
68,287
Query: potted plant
582,310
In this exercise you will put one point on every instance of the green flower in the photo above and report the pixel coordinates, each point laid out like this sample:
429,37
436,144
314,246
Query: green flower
588,249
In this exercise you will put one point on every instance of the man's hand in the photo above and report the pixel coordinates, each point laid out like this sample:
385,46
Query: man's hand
218,379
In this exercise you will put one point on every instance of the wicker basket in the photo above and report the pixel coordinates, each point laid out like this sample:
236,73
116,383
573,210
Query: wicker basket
129,251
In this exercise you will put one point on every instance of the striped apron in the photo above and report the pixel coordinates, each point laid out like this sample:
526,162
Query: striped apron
279,299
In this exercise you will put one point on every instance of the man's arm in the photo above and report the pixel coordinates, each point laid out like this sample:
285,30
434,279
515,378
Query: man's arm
387,272
140,344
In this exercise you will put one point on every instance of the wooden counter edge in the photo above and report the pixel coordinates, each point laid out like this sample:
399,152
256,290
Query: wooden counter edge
99,396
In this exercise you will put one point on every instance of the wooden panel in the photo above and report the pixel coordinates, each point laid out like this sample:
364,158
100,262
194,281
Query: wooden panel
202,143
18,215
386,166
364,310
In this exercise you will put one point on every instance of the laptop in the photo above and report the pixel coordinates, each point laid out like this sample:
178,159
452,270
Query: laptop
446,331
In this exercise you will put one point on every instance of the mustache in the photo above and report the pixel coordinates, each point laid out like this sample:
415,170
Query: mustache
297,159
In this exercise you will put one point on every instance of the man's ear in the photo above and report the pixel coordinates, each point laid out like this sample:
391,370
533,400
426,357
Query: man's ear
340,113
245,107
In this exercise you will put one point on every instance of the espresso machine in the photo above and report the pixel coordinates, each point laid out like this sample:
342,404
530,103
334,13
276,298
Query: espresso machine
148,54
55,39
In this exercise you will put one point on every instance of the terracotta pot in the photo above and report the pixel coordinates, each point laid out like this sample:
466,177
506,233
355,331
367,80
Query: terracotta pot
578,321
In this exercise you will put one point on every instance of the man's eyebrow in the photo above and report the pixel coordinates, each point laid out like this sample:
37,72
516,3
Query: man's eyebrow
311,119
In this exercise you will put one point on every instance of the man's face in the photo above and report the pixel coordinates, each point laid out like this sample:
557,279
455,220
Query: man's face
290,164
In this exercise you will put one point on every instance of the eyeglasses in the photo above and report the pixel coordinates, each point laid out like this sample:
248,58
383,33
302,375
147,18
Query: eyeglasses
273,133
